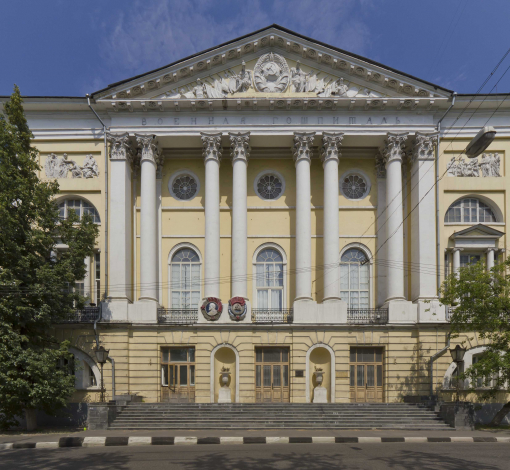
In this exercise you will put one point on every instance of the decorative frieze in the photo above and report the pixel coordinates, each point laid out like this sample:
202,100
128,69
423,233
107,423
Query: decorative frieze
211,146
489,166
120,146
394,147
424,146
239,146
56,167
303,142
331,145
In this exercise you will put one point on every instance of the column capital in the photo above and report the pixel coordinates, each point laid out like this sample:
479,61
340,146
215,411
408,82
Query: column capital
454,249
380,166
211,146
302,148
239,146
331,142
488,250
423,148
149,148
120,146
394,147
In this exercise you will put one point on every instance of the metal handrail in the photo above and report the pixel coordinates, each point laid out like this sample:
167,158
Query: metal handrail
367,315
264,315
178,316
83,315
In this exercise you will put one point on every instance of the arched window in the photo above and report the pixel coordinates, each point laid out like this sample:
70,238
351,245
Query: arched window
355,279
79,206
469,210
185,279
269,282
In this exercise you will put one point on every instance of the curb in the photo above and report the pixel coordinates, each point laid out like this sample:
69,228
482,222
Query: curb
177,440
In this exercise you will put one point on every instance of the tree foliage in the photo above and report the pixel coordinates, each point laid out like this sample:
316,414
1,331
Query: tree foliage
480,301
36,285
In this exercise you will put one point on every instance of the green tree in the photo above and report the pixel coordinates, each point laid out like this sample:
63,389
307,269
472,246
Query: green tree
36,285
481,304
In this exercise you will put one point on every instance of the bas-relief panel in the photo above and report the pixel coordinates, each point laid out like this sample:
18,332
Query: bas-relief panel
487,166
55,167
270,74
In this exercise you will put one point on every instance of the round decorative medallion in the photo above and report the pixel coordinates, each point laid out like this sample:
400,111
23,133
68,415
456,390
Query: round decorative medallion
237,308
269,186
183,185
211,308
271,74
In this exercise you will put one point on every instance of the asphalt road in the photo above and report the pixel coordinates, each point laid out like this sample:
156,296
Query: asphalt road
426,456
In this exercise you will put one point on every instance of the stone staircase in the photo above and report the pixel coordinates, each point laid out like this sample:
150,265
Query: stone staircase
278,416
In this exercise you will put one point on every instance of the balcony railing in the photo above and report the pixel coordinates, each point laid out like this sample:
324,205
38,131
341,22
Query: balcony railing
178,316
376,316
263,315
84,315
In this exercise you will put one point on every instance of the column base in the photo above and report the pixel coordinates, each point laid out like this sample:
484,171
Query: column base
331,312
145,299
331,299
143,311
401,311
115,309
430,310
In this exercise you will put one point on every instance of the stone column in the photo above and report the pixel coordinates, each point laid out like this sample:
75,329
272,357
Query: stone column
330,155
159,208
456,260
302,153
148,218
239,151
423,218
490,258
87,284
380,170
212,156
120,229
393,154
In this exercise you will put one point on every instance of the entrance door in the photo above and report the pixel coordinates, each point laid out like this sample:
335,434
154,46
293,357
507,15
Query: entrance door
366,375
272,375
178,375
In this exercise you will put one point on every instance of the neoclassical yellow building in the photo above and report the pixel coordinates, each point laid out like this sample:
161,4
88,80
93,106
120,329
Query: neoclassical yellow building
278,207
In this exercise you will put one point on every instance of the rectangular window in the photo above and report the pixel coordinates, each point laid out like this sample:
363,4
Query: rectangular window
192,375
277,374
178,355
353,376
267,376
164,375
272,354
258,355
285,376
257,376
353,355
98,277
361,376
370,376
379,376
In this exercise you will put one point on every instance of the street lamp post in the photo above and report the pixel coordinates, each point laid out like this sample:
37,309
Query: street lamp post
102,355
458,357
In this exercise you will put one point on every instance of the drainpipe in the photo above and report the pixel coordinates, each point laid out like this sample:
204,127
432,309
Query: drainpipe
433,359
105,198
438,235
110,359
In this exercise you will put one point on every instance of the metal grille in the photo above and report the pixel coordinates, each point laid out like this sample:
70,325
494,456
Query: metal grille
367,315
263,315
178,316
85,315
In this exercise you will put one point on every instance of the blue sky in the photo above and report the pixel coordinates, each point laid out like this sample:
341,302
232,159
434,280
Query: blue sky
69,48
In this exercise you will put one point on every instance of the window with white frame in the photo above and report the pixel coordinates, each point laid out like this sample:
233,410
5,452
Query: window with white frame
468,259
469,210
354,186
480,381
185,279
269,279
355,278
80,207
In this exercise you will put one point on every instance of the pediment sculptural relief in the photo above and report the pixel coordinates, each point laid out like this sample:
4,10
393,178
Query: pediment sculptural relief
56,167
489,166
271,74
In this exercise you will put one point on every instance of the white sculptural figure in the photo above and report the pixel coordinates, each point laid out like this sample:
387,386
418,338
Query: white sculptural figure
90,168
298,78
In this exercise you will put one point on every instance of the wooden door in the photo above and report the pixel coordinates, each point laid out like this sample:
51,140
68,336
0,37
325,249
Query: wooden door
366,375
178,375
272,375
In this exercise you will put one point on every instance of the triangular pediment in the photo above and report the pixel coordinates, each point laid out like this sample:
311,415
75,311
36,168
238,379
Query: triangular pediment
478,231
274,64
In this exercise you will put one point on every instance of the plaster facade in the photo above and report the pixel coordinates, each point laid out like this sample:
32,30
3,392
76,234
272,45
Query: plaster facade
311,124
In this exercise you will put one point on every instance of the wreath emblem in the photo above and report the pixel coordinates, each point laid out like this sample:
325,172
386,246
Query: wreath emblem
237,308
211,308
271,74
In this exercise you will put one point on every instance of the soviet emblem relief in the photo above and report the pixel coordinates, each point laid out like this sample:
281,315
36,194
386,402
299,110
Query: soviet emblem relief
271,74
211,308
237,308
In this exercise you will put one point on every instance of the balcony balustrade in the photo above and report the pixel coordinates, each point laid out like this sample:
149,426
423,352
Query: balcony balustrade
263,315
84,315
178,316
378,316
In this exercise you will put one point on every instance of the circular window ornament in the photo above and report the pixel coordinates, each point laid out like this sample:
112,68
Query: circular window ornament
269,185
354,185
184,185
